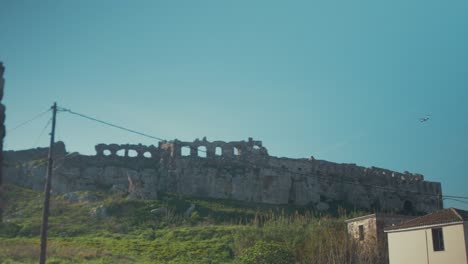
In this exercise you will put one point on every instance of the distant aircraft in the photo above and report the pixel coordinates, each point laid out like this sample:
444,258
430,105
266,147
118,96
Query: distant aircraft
424,119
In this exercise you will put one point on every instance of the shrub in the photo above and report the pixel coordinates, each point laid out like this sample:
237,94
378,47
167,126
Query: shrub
9,229
267,253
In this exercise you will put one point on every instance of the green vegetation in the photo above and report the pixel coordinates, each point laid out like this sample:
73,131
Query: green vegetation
92,227
267,253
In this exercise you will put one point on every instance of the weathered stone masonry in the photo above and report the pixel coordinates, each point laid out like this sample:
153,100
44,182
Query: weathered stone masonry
239,170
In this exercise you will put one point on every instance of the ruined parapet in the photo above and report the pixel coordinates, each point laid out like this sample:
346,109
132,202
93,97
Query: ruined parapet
405,176
19,156
128,151
216,149
170,147
2,134
323,167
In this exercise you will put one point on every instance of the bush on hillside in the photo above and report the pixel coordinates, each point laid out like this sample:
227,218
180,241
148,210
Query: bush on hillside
9,229
267,253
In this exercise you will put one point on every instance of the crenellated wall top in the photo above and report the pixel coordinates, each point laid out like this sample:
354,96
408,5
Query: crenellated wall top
250,149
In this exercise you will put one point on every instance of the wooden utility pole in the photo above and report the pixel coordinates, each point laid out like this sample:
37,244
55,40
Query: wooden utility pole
45,212
2,135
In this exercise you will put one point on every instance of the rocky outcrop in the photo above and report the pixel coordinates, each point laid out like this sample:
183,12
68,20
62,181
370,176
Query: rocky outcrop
240,170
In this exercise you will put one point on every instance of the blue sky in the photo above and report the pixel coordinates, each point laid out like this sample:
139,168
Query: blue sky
344,81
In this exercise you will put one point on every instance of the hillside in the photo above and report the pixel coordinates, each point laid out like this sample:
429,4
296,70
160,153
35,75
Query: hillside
93,227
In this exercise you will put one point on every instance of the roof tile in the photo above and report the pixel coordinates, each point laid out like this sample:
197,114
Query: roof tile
445,216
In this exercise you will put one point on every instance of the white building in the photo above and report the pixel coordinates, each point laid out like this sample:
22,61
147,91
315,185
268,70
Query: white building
437,238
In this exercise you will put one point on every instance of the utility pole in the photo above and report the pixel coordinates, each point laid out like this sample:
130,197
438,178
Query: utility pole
45,212
2,135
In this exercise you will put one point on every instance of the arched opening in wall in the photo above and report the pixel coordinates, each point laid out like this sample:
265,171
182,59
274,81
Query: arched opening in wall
185,151
408,207
218,151
256,147
106,152
236,151
147,154
132,153
121,153
201,151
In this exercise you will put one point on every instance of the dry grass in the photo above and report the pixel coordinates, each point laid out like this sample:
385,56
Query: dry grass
315,240
28,251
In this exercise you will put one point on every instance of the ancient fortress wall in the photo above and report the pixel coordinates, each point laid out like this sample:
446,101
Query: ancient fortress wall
239,170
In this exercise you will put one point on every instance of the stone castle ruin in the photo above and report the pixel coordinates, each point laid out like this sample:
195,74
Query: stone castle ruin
238,170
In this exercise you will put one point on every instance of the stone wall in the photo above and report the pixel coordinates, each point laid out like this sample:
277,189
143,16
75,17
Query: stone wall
20,156
239,170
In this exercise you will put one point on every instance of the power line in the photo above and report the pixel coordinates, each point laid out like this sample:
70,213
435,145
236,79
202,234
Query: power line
61,109
42,132
28,121
452,199
455,197
254,165
109,124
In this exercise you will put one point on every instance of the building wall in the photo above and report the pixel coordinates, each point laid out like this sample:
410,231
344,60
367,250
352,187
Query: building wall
370,230
455,247
374,227
375,240
465,229
415,246
407,247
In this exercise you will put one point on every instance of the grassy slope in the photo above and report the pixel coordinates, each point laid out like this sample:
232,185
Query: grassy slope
130,233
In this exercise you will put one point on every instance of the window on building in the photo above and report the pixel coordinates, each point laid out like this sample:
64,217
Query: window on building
438,239
361,232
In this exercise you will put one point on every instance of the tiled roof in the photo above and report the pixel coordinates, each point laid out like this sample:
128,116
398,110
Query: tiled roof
445,216
380,216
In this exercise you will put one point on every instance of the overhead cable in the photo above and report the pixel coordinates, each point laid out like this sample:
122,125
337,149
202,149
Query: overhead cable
109,124
28,121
